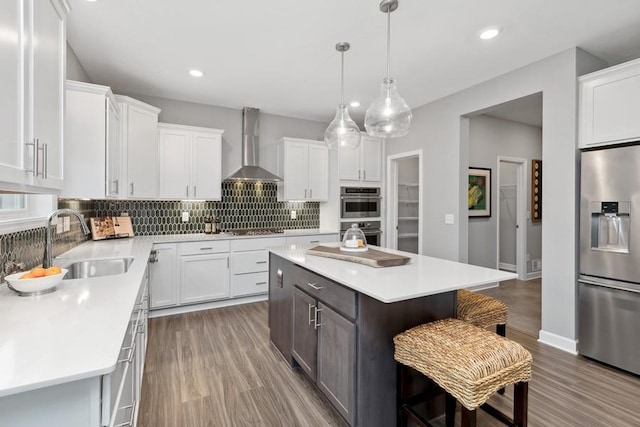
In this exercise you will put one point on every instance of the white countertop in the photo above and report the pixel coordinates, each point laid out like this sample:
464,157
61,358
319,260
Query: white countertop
76,332
422,276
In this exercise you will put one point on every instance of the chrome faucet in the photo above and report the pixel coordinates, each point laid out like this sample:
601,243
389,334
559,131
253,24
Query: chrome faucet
46,261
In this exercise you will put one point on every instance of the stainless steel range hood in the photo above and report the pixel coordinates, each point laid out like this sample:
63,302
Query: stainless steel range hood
250,171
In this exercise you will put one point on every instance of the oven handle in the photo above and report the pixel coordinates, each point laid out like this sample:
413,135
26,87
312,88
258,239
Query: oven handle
365,232
359,197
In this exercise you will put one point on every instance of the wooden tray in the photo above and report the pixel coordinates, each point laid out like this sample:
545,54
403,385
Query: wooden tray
372,257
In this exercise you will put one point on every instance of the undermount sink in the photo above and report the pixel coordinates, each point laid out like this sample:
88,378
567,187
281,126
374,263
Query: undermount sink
97,268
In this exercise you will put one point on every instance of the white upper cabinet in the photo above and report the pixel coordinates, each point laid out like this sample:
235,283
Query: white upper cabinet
304,167
92,142
609,108
32,54
139,125
190,162
363,164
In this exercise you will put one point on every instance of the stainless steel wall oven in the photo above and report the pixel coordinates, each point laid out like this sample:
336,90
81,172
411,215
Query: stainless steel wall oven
360,202
371,230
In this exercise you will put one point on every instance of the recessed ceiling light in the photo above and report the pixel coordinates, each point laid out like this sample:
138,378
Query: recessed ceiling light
355,104
196,73
489,33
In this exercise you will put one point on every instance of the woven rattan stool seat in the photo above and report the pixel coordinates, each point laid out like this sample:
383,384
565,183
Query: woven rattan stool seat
468,362
481,310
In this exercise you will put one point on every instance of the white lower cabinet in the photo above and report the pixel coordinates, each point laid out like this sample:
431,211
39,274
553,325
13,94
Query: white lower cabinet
163,272
250,265
204,278
312,240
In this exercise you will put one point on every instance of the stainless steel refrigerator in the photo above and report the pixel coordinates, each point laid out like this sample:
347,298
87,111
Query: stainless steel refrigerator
609,280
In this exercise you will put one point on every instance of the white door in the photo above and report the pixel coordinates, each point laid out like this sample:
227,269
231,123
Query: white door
142,153
204,278
175,164
296,172
318,168
206,166
371,159
163,276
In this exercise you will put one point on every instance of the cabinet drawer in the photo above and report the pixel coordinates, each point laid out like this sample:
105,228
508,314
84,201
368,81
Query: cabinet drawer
334,295
207,247
249,262
312,240
257,244
249,284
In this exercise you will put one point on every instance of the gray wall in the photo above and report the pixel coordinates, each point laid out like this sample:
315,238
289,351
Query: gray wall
489,138
75,70
272,127
441,129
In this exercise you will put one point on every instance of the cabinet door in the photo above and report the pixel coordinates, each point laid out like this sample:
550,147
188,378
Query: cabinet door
371,152
114,151
163,276
336,360
142,152
318,173
350,165
11,85
204,278
305,341
175,164
48,48
206,166
280,305
296,171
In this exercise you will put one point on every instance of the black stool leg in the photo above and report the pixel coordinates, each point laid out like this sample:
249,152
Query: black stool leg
450,410
399,408
468,417
520,403
502,331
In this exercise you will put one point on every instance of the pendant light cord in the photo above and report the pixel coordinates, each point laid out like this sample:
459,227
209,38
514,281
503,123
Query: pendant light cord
388,43
342,79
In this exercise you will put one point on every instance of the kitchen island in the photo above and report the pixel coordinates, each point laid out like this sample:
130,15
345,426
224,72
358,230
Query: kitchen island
337,319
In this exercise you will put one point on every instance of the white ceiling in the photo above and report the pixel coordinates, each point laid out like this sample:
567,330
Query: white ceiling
279,55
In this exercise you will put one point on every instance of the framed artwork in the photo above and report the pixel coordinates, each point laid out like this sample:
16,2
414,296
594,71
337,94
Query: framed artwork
536,190
479,192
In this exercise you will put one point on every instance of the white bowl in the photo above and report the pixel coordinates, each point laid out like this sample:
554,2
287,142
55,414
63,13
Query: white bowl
38,284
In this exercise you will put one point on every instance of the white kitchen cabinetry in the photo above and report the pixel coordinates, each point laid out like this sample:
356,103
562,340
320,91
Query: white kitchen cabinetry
92,141
363,164
609,107
312,240
32,83
304,167
163,276
204,271
250,265
190,162
139,130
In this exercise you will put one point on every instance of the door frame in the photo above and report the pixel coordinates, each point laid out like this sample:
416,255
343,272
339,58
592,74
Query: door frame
521,214
391,238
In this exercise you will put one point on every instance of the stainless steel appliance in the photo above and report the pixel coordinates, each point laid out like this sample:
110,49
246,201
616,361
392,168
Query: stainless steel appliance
360,202
609,281
371,230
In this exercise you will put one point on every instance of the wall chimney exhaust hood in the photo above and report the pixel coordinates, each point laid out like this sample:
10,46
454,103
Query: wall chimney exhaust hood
250,171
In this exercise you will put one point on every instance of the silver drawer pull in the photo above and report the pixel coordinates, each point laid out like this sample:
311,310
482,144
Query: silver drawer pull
206,249
261,262
311,318
316,325
314,241
314,286
260,283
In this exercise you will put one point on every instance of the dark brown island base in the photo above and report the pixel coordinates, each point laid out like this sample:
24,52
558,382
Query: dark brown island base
342,337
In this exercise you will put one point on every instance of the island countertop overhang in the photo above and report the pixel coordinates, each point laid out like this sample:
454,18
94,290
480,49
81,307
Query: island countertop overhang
422,276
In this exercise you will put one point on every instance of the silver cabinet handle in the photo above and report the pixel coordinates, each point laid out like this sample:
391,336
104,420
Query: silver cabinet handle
260,283
206,249
311,318
305,193
314,286
364,174
261,262
34,165
45,161
314,241
187,191
131,192
39,148
358,173
316,325
311,193
194,191
117,181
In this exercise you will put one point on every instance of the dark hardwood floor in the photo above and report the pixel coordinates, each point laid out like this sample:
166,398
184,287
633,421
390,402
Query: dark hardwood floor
217,368
523,298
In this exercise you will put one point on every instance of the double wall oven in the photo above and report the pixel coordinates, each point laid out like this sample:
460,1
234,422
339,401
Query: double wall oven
357,206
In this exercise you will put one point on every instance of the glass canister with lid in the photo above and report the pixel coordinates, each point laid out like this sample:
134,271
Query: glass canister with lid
354,240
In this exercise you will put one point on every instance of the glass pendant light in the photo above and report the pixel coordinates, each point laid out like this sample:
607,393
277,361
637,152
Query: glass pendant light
343,133
388,116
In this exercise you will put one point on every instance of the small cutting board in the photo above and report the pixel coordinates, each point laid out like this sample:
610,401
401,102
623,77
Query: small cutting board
372,257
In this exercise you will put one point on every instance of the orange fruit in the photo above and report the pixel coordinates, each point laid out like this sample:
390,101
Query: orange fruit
52,270
27,276
37,272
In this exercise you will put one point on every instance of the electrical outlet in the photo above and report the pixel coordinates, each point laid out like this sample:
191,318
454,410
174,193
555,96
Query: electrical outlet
294,214
66,223
448,219
185,216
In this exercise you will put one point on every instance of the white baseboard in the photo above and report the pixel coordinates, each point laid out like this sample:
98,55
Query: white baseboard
206,305
559,342
507,267
534,275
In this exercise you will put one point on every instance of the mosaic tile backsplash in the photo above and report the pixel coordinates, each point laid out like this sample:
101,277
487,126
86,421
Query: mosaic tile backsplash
243,205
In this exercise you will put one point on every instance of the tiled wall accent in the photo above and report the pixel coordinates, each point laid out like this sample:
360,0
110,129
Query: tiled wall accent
28,246
243,205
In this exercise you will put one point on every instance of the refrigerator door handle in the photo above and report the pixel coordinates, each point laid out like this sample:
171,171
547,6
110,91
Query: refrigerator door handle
609,285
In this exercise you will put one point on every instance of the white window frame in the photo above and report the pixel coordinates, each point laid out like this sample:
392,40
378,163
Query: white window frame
38,207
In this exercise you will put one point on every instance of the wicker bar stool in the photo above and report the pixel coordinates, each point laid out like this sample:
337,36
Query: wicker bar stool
482,311
470,364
